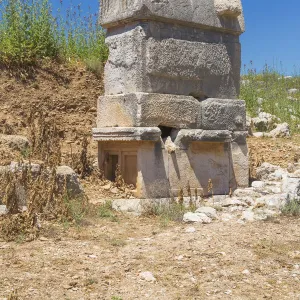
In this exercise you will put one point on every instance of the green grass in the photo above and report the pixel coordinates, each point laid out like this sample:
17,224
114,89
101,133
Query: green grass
272,87
292,208
30,32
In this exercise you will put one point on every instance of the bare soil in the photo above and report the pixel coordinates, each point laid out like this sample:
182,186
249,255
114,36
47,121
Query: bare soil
102,259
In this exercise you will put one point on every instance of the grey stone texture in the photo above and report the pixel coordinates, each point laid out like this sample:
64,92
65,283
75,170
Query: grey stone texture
15,142
155,57
148,110
220,14
127,134
170,115
223,114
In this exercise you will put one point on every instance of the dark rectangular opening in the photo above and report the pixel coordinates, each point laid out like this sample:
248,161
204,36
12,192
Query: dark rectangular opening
112,163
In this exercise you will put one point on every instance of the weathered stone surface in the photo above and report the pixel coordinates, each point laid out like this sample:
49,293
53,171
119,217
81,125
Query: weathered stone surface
190,217
291,186
269,172
209,211
68,179
223,114
173,65
228,8
148,276
139,62
126,134
265,122
15,142
281,130
196,13
3,210
134,206
184,137
149,110
239,158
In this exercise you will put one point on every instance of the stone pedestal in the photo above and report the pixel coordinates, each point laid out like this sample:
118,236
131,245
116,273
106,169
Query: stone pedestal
170,117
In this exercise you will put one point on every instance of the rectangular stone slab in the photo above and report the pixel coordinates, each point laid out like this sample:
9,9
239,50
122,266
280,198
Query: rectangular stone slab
149,110
156,58
223,114
219,14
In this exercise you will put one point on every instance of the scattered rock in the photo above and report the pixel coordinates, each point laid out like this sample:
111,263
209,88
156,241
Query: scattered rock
15,142
258,134
225,217
292,91
3,210
291,186
191,217
265,170
249,125
148,276
67,177
130,206
190,230
246,272
258,185
263,214
209,211
248,216
232,202
282,130
265,122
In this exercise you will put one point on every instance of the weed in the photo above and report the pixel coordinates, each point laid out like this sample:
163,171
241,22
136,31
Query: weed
106,211
167,212
90,281
292,208
13,296
30,32
116,298
117,242
268,91
43,197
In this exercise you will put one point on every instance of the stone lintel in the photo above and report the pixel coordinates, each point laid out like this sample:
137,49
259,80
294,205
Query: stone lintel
186,136
126,134
223,114
148,110
222,15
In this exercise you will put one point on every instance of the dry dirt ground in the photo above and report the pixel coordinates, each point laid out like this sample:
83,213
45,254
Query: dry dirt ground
103,259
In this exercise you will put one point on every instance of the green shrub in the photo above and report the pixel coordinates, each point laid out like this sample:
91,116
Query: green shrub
292,208
30,32
272,87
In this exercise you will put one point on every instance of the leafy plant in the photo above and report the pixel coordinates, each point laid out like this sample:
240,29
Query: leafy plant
269,91
292,208
30,31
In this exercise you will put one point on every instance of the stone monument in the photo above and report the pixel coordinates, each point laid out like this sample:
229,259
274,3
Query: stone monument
170,117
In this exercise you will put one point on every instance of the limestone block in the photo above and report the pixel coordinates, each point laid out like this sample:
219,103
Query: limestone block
126,134
203,161
140,60
152,181
184,137
193,12
228,7
239,157
223,114
149,110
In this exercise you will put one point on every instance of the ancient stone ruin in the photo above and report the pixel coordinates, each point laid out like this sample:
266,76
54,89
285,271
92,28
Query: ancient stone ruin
170,116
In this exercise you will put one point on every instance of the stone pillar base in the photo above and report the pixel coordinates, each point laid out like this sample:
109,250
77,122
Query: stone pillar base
194,161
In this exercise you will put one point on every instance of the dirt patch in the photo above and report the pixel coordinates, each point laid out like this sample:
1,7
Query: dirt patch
67,94
279,151
103,260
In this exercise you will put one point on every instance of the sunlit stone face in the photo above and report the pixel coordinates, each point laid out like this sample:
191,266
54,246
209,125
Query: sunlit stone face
228,7
223,14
